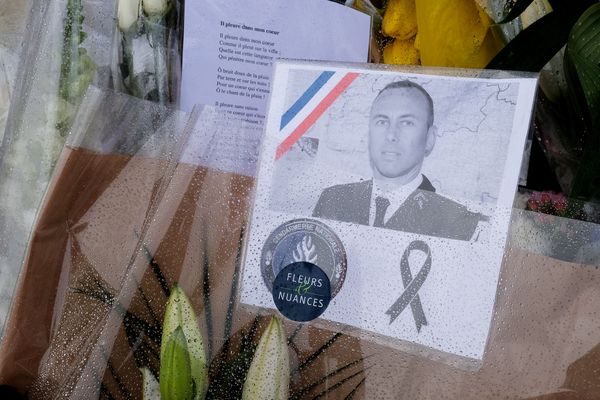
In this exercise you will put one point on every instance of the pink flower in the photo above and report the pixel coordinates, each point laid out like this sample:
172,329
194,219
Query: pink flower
560,205
545,197
532,205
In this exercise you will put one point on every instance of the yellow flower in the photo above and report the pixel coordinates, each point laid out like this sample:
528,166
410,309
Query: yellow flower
400,19
449,33
269,373
401,52
454,33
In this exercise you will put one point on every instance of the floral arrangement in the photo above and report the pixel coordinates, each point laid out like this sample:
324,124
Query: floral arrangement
438,33
555,204
174,359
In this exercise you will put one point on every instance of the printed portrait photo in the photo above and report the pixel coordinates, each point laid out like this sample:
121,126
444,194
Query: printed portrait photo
399,186
409,153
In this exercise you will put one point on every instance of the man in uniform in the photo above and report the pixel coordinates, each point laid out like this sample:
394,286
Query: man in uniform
401,135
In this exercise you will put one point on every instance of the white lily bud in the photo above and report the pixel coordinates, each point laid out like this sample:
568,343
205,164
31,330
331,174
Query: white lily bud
155,7
127,13
151,390
176,381
269,373
180,314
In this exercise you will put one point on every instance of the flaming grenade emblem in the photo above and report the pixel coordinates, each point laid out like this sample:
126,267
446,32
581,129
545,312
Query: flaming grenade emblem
305,251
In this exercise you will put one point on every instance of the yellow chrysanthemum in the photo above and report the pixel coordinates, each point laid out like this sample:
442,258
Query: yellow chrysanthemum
400,19
454,33
449,33
401,52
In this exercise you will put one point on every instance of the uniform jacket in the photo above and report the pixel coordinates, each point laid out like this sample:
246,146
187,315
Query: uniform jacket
424,211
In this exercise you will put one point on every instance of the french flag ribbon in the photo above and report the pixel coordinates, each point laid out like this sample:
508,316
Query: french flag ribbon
319,96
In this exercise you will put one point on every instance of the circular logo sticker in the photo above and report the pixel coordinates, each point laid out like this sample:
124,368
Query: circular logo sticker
301,291
304,240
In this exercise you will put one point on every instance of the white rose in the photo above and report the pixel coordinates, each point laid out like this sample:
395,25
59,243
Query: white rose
127,13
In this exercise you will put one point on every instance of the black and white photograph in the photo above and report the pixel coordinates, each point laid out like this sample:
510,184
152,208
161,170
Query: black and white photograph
411,164
413,173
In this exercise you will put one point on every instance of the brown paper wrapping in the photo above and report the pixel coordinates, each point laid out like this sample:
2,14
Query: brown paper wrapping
543,343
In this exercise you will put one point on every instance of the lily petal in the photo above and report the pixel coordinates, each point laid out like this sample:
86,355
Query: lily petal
180,314
269,373
151,390
127,13
175,370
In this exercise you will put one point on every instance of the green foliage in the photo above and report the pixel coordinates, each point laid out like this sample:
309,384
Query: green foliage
583,50
533,47
582,58
77,67
576,24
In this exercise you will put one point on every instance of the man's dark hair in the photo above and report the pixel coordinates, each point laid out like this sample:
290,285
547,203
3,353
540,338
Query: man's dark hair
406,84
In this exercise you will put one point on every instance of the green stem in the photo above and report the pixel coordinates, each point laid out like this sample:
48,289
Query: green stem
71,39
134,85
157,34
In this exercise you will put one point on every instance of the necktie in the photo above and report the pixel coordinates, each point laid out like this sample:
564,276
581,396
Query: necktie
381,205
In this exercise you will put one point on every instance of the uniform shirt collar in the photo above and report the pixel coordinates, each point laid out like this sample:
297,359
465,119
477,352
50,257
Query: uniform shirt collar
397,196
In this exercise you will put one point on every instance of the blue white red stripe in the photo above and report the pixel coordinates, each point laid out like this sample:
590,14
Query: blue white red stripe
305,111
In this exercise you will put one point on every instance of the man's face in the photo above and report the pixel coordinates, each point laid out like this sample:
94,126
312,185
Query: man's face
400,134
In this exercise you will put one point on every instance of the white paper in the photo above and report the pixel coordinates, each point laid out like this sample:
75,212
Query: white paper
230,47
481,125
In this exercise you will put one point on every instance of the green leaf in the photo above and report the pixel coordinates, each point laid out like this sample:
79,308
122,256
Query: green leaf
175,369
583,49
583,57
531,49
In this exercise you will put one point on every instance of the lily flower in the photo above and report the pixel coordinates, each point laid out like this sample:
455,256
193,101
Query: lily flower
128,12
181,341
269,373
150,389
176,381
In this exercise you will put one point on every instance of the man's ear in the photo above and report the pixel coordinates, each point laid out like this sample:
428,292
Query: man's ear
431,134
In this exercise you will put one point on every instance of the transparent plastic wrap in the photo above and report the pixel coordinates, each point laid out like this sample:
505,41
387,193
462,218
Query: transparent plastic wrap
12,27
115,168
69,45
65,49
144,257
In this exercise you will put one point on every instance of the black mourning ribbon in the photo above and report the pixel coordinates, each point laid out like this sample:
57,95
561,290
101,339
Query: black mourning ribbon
381,205
412,286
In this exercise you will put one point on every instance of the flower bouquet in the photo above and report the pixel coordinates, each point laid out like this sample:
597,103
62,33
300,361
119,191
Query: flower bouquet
124,232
